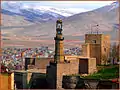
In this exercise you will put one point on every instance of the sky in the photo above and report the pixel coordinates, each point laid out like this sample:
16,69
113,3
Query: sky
69,4
74,6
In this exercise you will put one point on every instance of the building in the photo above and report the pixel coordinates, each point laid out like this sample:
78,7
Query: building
97,46
66,65
59,66
56,67
7,81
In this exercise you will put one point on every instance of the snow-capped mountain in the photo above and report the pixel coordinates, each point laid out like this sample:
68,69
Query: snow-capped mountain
75,26
33,13
36,13
17,6
29,13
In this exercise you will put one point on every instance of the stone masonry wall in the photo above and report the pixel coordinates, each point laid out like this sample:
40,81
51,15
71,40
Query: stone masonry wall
95,52
66,69
90,38
42,63
89,50
91,65
56,72
104,41
85,50
105,48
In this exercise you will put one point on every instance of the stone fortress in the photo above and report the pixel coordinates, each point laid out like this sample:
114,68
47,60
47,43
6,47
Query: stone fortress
95,49
97,43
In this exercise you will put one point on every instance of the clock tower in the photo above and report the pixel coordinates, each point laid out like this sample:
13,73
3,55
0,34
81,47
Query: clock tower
59,52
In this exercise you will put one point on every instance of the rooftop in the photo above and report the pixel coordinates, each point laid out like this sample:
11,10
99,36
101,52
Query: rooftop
31,71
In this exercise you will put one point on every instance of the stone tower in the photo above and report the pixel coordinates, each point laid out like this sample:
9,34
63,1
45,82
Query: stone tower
59,67
59,52
97,46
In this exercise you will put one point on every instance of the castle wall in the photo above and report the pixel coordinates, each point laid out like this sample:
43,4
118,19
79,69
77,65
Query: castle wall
42,62
91,38
66,69
85,50
92,65
55,73
105,48
95,52
92,51
69,57
97,43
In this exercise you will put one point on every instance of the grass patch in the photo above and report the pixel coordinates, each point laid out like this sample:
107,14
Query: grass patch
105,73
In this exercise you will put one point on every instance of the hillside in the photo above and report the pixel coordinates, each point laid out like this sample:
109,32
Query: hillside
74,27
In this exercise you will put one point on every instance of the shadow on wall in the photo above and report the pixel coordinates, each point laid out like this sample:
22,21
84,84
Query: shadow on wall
38,81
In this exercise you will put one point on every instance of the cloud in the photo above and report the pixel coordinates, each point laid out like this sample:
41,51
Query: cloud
80,2
76,4
77,10
73,6
12,2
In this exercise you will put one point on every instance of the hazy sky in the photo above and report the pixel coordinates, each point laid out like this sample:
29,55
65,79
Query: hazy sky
68,4
75,6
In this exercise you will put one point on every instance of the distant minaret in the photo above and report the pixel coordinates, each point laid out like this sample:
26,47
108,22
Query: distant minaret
59,52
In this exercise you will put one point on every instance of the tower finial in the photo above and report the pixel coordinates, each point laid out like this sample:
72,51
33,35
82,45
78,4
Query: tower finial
59,24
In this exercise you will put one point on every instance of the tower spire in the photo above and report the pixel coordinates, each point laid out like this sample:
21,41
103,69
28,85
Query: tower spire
59,52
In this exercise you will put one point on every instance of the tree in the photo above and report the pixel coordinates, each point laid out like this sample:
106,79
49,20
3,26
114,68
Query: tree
114,54
104,59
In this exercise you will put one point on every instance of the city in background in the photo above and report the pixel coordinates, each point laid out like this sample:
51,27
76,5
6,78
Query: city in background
28,31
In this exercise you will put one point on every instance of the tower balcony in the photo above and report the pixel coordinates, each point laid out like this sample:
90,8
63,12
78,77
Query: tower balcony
61,39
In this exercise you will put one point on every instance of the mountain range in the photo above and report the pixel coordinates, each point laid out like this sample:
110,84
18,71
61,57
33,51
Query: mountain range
22,23
34,13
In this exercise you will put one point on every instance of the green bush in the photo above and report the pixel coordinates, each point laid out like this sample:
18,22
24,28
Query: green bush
105,73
